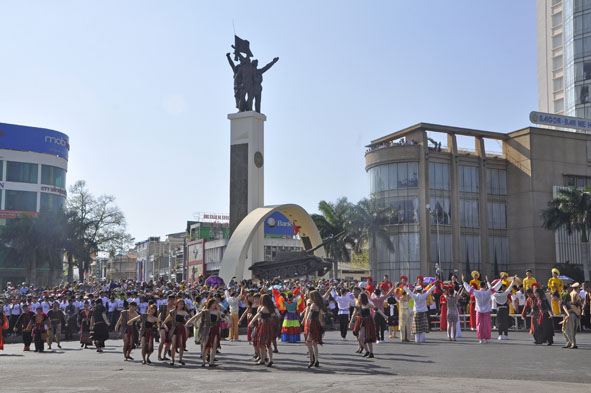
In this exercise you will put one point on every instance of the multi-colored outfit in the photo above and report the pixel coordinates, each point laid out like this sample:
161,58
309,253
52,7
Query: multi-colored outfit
214,331
543,324
291,330
39,330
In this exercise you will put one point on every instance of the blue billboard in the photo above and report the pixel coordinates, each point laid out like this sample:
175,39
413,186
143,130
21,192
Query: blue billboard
39,140
277,225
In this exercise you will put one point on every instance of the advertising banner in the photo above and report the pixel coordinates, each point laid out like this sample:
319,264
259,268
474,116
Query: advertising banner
277,225
39,140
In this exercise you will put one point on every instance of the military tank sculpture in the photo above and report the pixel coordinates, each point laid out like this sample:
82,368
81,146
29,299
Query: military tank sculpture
292,264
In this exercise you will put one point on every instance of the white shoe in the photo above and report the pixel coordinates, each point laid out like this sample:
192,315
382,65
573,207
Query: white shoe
377,341
500,338
480,341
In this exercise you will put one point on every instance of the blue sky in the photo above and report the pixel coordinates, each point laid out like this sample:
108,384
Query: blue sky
143,89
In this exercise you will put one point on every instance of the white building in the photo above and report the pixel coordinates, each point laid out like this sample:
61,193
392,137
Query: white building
564,57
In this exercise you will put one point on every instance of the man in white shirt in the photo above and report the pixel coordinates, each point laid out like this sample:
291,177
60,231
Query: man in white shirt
483,306
343,300
518,301
502,303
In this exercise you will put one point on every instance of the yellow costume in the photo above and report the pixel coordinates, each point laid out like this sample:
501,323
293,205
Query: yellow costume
528,282
475,279
555,284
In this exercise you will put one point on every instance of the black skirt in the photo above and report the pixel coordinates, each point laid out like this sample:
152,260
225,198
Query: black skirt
100,332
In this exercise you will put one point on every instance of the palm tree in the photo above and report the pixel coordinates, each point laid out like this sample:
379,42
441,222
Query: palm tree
369,224
571,209
335,222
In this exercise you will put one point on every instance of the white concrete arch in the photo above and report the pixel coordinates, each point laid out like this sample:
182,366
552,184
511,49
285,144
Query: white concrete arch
233,262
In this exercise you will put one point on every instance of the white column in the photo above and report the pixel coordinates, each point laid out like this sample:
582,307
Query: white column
247,133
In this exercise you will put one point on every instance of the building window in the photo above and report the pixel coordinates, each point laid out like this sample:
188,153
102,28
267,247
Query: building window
582,93
577,181
21,172
403,259
557,62
557,84
1,170
496,180
468,178
556,41
470,251
406,210
498,252
51,202
557,19
559,105
394,176
53,176
21,200
469,213
497,216
440,211
438,176
441,251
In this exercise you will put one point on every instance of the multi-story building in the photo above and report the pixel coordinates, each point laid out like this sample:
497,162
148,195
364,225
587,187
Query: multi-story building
460,209
122,267
156,258
564,57
33,166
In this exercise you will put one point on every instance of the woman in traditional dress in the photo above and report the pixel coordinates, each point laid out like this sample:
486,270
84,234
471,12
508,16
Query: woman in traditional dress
3,326
314,325
178,318
100,326
128,331
209,331
420,325
84,322
291,330
364,327
474,283
148,324
266,330
543,325
38,327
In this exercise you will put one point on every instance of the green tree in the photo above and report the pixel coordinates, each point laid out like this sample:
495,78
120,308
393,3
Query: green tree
96,225
335,220
369,224
571,209
18,243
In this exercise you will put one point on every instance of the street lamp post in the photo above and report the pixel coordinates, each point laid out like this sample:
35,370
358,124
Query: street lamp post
436,216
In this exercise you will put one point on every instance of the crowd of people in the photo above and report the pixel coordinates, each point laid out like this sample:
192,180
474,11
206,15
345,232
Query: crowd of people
161,316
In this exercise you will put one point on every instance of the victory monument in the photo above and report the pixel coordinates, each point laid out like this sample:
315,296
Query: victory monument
247,174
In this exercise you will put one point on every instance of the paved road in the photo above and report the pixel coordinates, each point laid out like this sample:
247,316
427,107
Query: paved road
438,365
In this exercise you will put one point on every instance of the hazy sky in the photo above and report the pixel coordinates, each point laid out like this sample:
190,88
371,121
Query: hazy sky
143,89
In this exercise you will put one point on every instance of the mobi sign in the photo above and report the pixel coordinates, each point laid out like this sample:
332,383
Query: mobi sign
38,140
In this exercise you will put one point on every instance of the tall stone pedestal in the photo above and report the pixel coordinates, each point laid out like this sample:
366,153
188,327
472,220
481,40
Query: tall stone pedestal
247,176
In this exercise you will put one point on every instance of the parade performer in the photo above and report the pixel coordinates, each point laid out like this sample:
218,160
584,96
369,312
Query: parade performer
148,323
128,331
474,283
22,324
377,298
57,321
365,328
543,324
3,326
38,327
404,318
292,307
314,325
165,331
452,317
209,331
344,303
100,326
265,330
177,319
443,313
502,300
528,313
482,307
529,280
555,284
420,325
84,322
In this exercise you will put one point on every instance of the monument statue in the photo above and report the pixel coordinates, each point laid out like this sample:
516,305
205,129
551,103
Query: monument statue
248,78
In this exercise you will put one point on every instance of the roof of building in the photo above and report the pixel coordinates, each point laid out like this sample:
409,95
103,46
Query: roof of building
440,128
